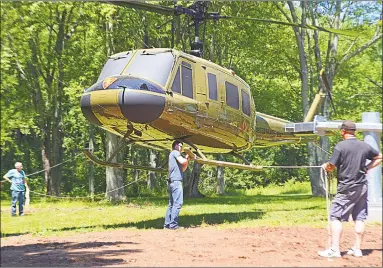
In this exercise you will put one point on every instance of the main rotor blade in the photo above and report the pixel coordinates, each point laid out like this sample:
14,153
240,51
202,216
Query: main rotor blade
311,27
164,10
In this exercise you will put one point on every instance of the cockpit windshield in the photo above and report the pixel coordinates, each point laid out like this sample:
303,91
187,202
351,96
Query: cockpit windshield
115,65
153,66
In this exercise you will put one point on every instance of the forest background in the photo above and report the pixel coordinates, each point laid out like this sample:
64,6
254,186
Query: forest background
52,51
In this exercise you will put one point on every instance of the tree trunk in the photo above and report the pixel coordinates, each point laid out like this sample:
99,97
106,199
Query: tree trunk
91,165
314,173
57,131
300,39
135,172
152,182
220,178
114,176
191,182
47,170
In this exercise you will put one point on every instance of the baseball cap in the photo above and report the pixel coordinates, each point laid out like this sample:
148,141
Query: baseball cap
348,125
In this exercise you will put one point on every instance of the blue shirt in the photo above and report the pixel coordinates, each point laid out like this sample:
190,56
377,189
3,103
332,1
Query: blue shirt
17,179
175,168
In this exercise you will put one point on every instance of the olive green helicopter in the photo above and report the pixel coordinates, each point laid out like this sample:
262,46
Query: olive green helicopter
152,97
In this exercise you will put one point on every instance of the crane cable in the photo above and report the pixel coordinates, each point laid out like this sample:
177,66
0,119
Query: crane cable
324,178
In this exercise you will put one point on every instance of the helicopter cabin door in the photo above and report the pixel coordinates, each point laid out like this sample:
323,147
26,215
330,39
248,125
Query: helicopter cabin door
183,106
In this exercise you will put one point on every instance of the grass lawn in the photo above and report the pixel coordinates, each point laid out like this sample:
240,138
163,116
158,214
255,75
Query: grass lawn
288,205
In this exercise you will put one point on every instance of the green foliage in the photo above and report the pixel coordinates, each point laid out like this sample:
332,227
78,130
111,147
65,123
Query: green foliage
264,55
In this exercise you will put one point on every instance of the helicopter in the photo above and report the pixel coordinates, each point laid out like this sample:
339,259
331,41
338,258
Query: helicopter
153,96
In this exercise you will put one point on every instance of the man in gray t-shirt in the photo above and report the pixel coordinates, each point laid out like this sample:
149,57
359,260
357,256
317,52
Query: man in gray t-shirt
177,165
349,157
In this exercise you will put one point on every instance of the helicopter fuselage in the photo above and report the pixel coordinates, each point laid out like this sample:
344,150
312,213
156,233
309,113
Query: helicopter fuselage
154,96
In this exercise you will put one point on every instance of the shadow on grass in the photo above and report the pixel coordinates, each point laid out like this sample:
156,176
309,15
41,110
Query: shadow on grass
62,254
186,221
226,199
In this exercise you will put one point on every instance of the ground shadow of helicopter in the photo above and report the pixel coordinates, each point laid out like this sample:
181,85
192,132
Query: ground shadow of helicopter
153,96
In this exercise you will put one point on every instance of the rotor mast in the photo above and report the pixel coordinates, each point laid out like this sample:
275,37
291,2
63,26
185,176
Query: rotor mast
198,10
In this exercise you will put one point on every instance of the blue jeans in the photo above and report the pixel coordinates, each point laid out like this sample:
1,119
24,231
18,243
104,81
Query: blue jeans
176,200
17,196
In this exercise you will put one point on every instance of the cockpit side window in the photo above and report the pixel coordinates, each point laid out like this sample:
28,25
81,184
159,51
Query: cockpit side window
183,81
187,80
176,87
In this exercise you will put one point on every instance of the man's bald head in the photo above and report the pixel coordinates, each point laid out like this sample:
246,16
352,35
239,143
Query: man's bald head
19,166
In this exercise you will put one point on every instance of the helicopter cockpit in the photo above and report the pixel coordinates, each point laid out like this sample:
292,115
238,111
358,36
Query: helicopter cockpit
127,69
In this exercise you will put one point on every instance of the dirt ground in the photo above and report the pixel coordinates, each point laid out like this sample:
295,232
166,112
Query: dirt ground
209,246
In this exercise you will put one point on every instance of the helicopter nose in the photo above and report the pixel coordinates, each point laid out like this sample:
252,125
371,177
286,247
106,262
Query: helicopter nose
141,107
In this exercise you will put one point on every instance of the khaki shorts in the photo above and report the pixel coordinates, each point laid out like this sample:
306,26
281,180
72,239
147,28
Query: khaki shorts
353,203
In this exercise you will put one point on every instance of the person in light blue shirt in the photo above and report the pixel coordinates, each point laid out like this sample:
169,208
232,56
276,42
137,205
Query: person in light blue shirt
17,179
177,165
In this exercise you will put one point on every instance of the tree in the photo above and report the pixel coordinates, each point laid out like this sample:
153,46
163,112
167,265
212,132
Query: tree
331,65
220,178
191,182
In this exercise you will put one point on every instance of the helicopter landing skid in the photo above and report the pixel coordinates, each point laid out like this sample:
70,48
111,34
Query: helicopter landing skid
222,163
97,161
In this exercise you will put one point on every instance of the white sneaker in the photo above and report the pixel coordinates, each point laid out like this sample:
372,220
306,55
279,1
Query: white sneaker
355,252
329,253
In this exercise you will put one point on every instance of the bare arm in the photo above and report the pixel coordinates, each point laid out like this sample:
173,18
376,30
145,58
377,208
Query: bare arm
328,167
375,161
183,161
6,178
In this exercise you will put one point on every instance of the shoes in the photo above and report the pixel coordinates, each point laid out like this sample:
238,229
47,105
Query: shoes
22,214
355,252
13,215
329,253
177,228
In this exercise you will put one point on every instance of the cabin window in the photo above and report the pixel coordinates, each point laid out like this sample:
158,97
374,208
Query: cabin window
114,66
184,63
245,103
176,87
232,97
212,82
187,80
152,66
